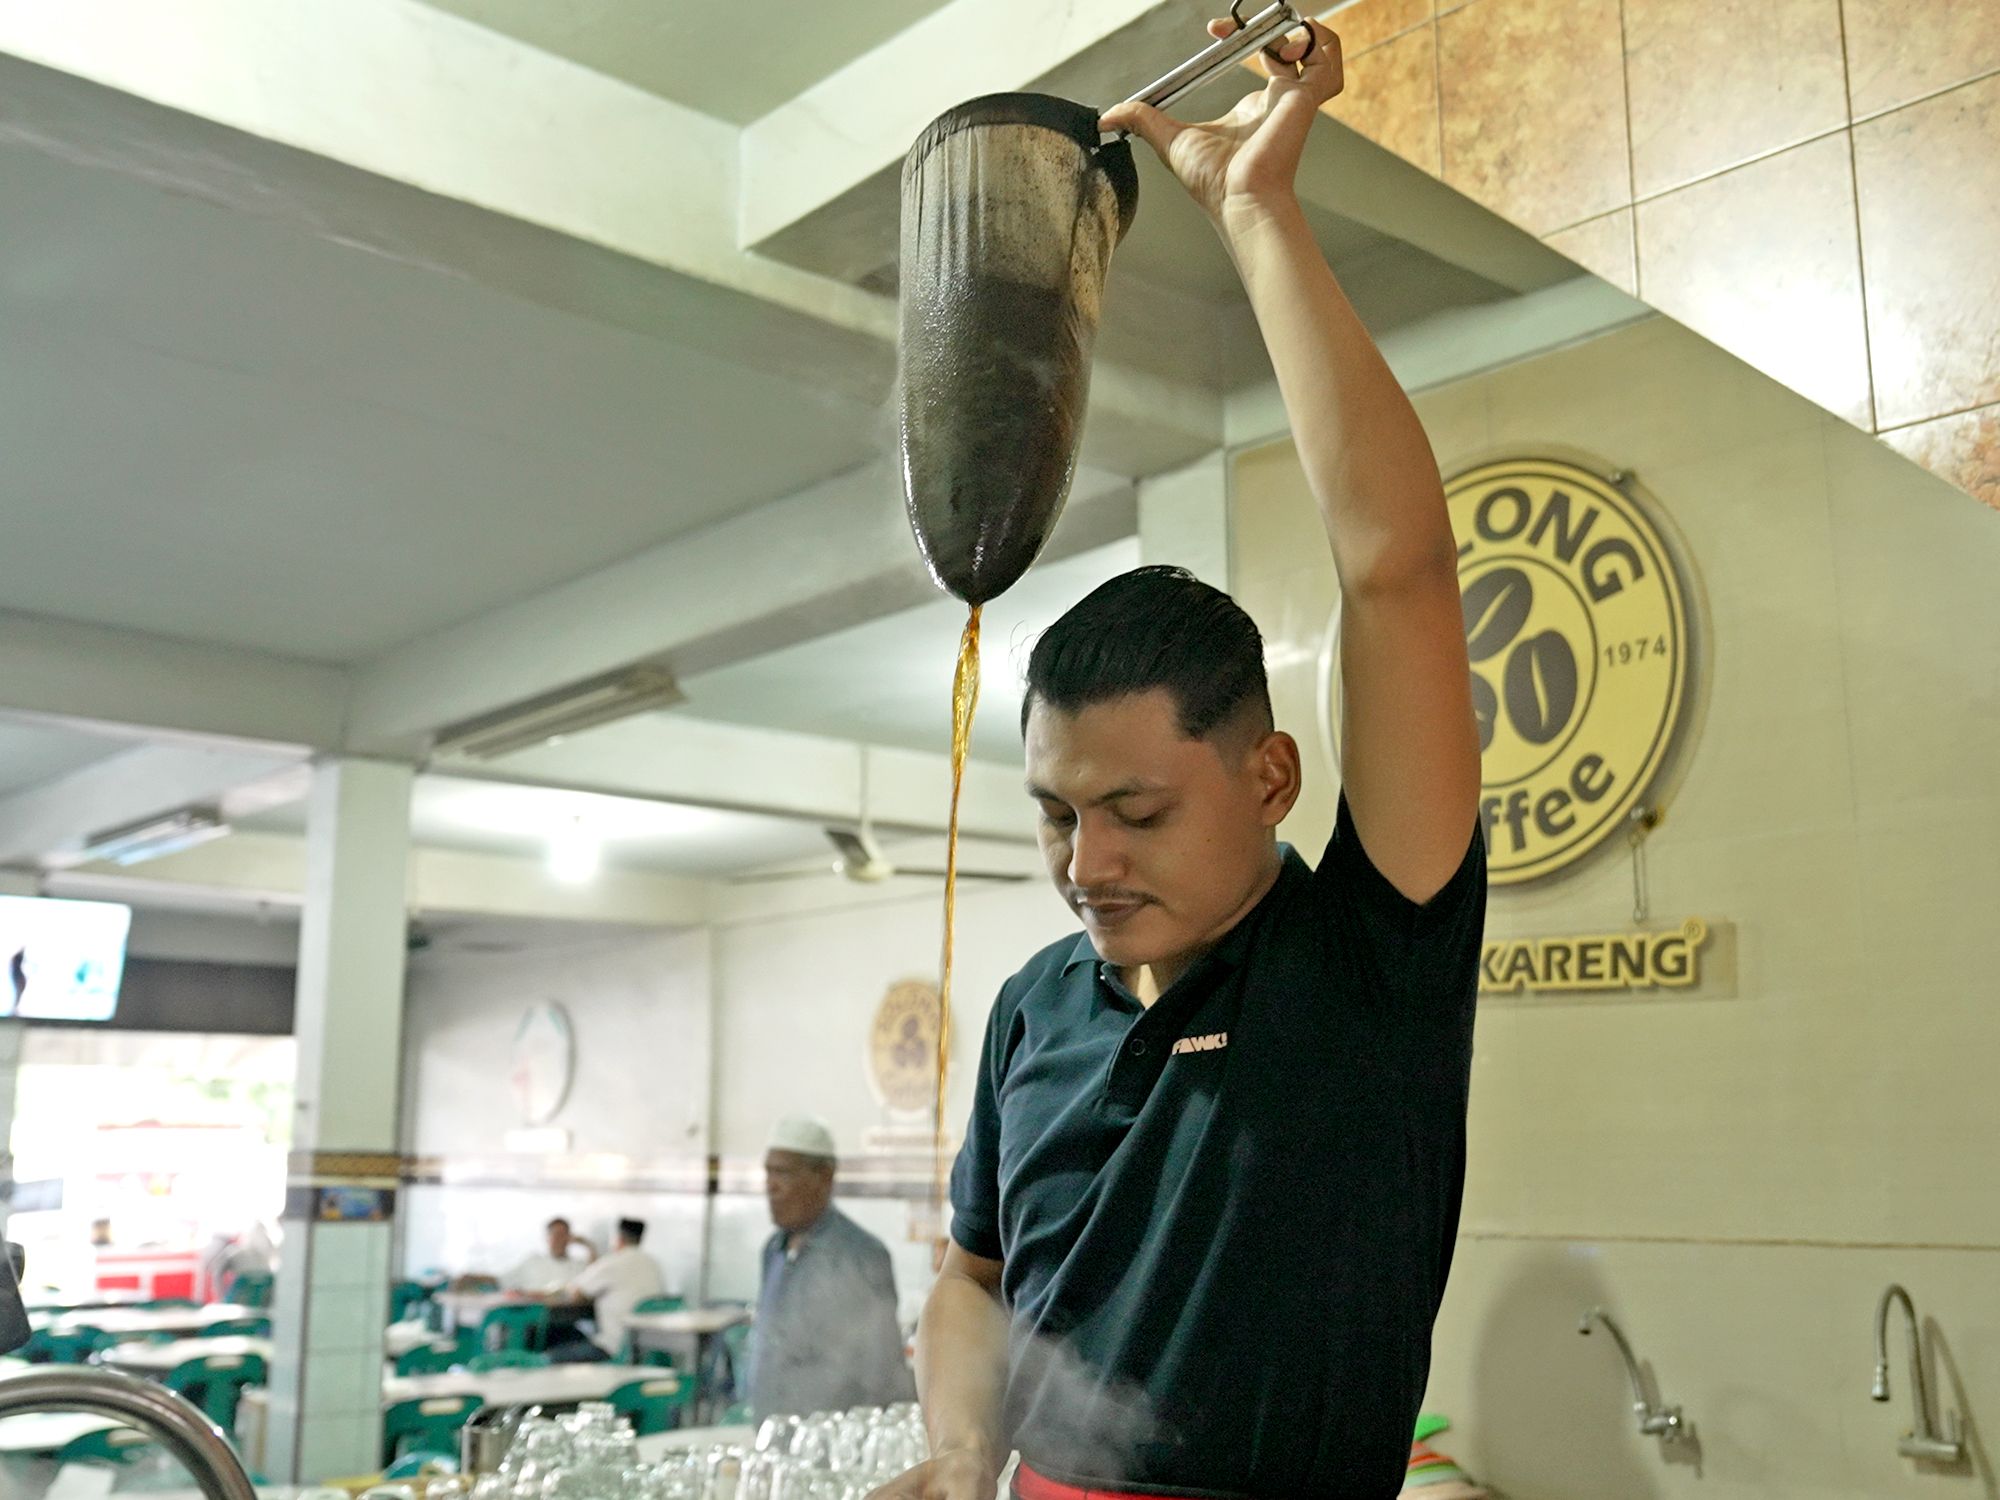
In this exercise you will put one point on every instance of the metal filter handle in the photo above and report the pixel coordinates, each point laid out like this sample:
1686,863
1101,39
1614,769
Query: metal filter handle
1265,29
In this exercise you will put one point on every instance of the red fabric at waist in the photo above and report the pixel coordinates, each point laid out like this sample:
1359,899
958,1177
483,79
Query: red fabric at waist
1028,1485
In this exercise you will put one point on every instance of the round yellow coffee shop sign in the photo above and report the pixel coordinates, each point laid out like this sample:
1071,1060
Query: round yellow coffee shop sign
1576,623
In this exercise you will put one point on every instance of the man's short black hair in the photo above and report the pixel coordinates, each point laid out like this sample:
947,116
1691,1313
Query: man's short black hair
1154,627
633,1229
558,1219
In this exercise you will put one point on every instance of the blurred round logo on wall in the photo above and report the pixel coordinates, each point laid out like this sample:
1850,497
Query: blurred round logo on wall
1580,630
902,1047
544,1059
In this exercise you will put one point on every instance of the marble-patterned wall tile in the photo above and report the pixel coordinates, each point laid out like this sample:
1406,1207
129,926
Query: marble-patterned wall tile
1369,23
1763,261
1603,246
1716,83
1391,97
1928,180
1534,109
1898,52
1964,449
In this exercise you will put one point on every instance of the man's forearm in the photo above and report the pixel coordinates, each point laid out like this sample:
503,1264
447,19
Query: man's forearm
962,1368
1363,449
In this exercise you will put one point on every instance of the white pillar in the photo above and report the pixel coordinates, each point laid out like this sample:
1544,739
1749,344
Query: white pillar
325,1416
1184,519
12,883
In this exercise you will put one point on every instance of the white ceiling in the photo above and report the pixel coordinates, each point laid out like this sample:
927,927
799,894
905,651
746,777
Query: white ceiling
229,430
33,753
732,61
499,818
326,432
888,682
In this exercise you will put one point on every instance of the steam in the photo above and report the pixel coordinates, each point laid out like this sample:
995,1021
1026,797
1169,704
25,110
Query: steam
1086,1426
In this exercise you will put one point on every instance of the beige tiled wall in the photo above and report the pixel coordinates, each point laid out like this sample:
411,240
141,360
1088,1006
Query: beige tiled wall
1738,1175
1812,184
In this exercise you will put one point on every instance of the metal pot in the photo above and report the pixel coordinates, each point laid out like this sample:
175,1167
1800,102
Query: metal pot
487,1435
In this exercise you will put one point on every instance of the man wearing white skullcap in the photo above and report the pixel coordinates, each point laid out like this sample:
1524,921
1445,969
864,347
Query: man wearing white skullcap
827,1336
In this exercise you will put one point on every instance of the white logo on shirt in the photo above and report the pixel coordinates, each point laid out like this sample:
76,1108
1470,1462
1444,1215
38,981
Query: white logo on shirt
1215,1041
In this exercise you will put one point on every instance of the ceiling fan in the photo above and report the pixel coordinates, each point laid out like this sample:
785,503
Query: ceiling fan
859,858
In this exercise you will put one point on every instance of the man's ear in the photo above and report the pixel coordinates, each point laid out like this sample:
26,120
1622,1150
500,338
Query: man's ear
1279,778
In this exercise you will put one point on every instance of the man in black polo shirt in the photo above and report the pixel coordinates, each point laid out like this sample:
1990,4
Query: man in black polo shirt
1207,1200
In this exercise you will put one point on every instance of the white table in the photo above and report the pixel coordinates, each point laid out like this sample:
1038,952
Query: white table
698,1325
552,1385
137,1357
699,1322
400,1338
144,1322
56,1302
37,1432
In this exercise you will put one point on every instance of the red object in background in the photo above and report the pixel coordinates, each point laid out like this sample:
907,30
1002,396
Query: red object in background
154,1273
1028,1485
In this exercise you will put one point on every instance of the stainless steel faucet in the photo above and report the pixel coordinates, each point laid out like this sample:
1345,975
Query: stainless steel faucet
1922,1440
1662,1422
181,1428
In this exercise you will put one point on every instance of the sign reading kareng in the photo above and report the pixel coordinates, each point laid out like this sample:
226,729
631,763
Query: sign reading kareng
1669,959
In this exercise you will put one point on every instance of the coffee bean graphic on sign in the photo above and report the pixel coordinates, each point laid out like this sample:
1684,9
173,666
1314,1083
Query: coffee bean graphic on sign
1540,686
1496,606
1538,676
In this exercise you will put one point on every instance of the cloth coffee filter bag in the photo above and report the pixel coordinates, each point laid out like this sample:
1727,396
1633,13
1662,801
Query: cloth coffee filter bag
1011,209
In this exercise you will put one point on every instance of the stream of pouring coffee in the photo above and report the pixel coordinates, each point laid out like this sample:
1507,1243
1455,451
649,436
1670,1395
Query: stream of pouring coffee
964,700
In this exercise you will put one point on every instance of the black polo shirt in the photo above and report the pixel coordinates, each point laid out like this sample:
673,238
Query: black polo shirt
1226,1221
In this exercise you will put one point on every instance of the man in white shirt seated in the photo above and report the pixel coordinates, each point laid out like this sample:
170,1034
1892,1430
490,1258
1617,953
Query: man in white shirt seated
555,1268
617,1283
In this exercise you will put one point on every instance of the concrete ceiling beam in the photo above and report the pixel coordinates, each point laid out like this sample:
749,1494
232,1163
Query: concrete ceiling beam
829,557
250,871
98,675
49,824
506,144
671,757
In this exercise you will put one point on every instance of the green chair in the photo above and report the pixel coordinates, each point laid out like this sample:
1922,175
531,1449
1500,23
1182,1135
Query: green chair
408,1299
434,1358
239,1328
169,1304
117,1446
250,1289
74,1347
654,1404
417,1462
430,1425
215,1383
660,1304
507,1359
523,1325
92,1340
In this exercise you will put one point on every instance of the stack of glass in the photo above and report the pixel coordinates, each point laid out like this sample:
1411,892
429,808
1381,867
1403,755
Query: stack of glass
589,1455
593,1455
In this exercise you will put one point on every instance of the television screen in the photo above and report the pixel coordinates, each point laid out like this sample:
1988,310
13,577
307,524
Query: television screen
61,960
